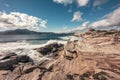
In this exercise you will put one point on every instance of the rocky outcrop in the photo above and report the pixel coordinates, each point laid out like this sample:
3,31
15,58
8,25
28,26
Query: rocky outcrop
91,33
95,57
51,49
8,61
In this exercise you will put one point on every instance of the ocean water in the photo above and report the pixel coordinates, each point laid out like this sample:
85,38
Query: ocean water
25,44
30,38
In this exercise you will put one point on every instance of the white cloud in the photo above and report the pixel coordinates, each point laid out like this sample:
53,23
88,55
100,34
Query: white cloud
43,24
82,2
110,20
19,20
99,2
77,16
79,2
83,27
65,2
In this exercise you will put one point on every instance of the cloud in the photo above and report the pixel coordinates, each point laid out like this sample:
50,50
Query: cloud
82,2
77,16
110,20
43,24
15,20
99,2
79,2
81,28
65,2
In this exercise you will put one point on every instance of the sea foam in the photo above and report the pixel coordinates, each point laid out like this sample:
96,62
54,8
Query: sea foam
25,48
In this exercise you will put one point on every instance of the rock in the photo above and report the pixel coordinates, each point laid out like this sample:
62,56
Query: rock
9,62
3,72
23,58
22,72
34,75
93,58
100,76
54,76
91,29
6,56
50,49
69,51
24,68
48,64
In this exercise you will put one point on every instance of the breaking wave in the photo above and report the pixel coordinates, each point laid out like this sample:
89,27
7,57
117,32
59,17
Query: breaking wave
26,48
71,38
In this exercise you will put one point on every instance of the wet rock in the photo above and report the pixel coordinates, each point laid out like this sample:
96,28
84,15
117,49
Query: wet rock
9,62
6,56
23,58
50,49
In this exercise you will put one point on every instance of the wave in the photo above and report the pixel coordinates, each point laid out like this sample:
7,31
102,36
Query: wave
25,48
71,38
26,45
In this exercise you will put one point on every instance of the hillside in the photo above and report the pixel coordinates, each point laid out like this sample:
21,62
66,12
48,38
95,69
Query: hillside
28,32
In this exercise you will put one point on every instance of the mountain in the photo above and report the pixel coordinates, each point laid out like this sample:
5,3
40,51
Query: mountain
19,31
24,34
28,32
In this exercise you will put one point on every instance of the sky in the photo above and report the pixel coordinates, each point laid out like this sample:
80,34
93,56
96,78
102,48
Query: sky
59,15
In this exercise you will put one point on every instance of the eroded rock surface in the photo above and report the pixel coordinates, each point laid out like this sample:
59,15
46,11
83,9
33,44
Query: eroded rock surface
96,57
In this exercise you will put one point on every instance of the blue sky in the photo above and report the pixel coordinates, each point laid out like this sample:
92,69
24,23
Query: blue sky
56,15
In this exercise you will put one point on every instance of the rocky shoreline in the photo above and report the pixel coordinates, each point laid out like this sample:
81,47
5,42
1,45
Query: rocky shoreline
95,57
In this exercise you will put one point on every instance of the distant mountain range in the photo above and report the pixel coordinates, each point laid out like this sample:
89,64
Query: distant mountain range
28,32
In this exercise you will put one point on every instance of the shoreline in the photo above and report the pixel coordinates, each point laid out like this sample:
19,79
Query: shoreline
95,57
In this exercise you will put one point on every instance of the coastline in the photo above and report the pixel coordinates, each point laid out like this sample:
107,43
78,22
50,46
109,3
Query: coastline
95,57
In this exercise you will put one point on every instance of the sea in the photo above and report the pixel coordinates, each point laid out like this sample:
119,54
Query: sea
25,44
